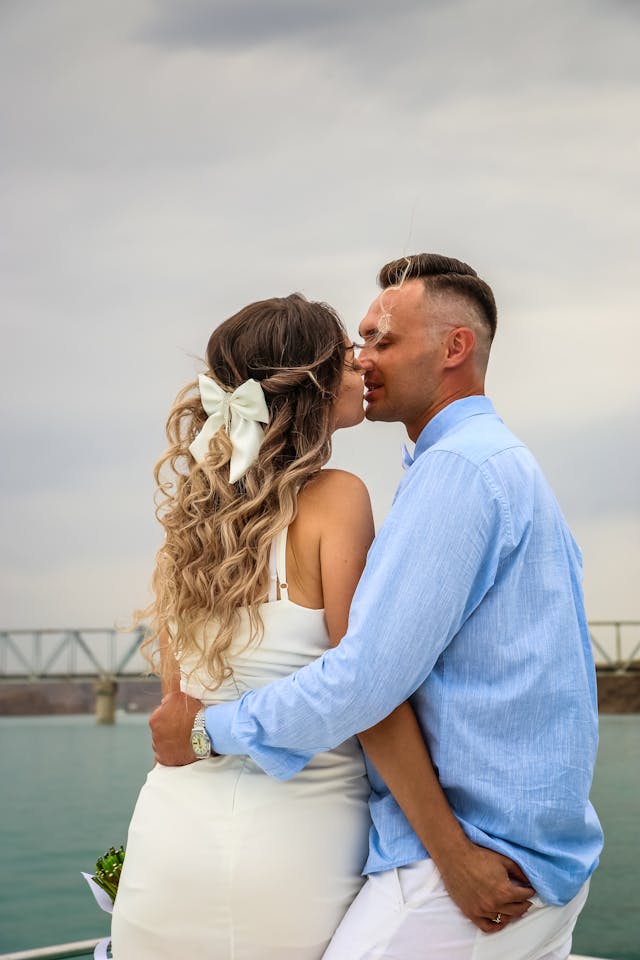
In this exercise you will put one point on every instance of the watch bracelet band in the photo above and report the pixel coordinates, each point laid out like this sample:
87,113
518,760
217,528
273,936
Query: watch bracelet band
199,726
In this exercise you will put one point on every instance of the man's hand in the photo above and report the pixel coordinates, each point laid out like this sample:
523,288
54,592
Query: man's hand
171,724
486,885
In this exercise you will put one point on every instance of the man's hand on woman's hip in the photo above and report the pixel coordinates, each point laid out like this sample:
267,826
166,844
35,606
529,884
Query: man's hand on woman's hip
171,725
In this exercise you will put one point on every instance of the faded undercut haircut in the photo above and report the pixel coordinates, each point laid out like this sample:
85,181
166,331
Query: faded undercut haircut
442,274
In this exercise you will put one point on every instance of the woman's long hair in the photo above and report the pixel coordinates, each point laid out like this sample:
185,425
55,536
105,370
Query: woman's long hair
215,557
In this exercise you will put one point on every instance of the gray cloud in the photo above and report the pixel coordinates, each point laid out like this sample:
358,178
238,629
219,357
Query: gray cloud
450,47
227,24
160,170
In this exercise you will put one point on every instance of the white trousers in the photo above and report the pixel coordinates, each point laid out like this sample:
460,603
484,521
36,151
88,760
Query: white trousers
407,914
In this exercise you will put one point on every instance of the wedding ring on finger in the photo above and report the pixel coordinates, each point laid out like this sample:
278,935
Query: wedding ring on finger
497,918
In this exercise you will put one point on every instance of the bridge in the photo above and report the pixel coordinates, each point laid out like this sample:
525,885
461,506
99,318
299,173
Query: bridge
616,645
28,656
107,657
81,654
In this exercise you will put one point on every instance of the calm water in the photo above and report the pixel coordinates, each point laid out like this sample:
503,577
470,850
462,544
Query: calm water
68,787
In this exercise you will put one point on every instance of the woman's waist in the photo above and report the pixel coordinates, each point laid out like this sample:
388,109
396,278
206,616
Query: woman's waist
341,770
200,686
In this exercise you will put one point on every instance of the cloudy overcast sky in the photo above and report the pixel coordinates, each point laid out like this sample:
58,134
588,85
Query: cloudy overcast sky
166,161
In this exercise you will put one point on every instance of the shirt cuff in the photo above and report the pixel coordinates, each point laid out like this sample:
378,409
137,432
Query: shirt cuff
218,721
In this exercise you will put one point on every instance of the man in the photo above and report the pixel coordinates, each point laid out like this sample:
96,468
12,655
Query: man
471,605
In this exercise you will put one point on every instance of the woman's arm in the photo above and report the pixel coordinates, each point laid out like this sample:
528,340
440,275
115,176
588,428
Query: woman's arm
169,677
477,879
482,882
169,667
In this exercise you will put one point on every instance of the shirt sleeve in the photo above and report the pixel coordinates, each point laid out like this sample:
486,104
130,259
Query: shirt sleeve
430,565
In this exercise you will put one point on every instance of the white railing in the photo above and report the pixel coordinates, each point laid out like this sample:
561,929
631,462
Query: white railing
84,948
61,951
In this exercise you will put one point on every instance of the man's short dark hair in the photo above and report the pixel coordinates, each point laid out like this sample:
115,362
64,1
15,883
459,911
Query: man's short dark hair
441,273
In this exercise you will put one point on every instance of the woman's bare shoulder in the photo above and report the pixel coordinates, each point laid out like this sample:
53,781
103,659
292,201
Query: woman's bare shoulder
336,500
332,487
333,528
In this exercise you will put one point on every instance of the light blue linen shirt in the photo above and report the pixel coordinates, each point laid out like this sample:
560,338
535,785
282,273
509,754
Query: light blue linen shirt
470,605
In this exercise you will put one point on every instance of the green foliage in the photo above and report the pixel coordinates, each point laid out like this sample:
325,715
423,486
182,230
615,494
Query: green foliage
108,868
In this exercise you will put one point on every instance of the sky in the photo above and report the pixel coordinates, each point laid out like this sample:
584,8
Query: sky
164,163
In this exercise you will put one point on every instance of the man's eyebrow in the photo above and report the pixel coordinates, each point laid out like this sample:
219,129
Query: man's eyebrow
375,335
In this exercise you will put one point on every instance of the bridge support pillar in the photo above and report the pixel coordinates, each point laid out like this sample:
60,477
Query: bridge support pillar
106,690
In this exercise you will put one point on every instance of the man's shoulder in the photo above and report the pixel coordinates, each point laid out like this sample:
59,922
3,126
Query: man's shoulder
479,439
477,457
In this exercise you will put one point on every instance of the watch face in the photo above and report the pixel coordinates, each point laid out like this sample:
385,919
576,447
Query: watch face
200,743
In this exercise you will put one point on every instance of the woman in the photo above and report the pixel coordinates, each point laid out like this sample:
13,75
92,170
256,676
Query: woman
262,555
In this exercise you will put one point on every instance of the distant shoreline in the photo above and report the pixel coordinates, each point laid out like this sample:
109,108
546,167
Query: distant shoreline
67,697
617,693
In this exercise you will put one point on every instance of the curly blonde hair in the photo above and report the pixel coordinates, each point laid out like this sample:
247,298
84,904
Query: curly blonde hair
215,557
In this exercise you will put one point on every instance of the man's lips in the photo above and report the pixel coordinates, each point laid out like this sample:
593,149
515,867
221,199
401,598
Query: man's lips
370,389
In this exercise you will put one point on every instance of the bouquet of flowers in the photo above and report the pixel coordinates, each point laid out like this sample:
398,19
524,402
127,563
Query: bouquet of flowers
108,869
104,887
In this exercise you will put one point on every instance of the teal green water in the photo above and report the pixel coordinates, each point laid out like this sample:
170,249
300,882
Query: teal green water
68,787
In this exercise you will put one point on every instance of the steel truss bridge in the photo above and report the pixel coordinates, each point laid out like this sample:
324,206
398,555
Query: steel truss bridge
28,656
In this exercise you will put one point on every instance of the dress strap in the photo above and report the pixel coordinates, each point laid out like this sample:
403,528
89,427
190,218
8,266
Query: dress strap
281,563
273,573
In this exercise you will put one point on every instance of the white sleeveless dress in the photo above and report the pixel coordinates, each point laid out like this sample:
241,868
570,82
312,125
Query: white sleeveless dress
223,862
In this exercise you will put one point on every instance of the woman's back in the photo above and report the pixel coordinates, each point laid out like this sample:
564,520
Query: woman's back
294,624
264,869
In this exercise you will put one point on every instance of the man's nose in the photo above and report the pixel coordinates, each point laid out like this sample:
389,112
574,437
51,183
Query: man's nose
364,360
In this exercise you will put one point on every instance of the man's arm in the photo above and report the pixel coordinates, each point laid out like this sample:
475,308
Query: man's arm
480,881
430,566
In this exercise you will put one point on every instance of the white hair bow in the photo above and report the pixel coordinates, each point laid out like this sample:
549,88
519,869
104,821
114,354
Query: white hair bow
241,414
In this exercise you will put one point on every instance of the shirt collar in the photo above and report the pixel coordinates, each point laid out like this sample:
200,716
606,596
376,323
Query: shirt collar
446,420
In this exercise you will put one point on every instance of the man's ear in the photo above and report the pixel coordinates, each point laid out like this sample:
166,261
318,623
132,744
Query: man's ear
459,346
